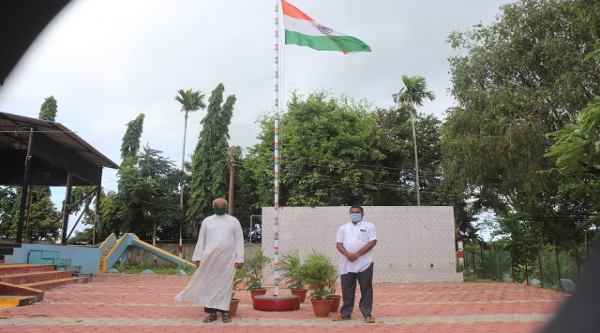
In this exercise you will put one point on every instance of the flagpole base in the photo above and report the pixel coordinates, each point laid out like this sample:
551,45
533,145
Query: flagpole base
276,303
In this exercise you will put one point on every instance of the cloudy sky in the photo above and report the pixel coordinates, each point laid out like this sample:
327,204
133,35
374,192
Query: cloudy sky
107,61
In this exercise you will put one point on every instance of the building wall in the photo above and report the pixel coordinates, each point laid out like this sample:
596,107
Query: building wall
414,244
88,257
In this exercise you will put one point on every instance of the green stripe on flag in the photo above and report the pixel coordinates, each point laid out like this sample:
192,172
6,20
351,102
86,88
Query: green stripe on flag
327,43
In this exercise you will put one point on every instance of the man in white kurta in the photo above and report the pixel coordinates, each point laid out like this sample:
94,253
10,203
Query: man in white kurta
219,252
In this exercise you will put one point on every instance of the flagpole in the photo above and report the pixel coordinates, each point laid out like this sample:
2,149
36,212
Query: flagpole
276,155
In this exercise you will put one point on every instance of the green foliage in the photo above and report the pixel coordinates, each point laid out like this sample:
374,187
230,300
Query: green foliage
210,169
131,140
191,101
319,273
413,93
150,194
8,211
43,220
515,81
336,151
49,109
165,269
255,265
291,266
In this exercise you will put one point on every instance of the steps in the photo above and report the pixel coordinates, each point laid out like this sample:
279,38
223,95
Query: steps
102,267
23,284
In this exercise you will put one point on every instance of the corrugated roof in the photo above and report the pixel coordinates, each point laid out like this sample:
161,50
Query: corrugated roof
14,134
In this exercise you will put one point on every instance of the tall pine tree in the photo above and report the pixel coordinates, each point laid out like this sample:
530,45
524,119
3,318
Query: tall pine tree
210,161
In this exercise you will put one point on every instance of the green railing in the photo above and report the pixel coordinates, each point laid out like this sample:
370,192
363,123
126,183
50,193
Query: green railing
544,268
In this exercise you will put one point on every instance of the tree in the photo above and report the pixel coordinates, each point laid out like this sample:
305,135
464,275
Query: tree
49,109
128,209
414,93
577,156
131,140
210,168
191,101
335,151
516,81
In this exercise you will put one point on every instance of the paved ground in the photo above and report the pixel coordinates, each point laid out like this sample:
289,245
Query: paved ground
144,303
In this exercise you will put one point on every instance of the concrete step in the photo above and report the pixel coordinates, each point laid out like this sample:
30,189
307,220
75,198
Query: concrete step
23,268
14,301
23,284
49,284
25,278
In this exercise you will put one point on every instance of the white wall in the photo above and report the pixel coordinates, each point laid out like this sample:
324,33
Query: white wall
415,244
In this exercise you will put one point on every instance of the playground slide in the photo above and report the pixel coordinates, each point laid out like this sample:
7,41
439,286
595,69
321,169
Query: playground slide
113,254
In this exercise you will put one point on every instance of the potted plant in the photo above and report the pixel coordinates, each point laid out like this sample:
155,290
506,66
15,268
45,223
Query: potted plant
293,272
318,270
335,303
254,274
238,281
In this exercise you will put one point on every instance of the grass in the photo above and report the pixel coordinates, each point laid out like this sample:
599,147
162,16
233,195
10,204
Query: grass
165,269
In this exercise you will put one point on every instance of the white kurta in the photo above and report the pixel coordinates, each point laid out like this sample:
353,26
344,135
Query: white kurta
220,245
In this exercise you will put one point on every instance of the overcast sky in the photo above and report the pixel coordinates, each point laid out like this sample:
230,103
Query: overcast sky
107,61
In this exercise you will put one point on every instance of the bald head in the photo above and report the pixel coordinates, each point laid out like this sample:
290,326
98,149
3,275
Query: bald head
219,202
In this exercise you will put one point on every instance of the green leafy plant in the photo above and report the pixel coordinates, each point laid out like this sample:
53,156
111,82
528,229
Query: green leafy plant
255,265
318,271
293,272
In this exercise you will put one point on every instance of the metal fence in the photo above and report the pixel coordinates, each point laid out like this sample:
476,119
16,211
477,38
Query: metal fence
544,268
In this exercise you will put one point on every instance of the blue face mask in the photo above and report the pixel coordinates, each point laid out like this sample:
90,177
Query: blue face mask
355,217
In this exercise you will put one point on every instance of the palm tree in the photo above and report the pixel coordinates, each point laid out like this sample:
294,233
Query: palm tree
413,93
190,101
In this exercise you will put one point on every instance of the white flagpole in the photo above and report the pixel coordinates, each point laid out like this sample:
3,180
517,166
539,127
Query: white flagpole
276,155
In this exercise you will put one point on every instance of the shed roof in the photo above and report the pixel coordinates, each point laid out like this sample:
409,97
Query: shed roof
55,151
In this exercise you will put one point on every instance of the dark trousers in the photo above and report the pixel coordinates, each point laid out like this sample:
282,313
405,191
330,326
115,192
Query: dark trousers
365,280
213,310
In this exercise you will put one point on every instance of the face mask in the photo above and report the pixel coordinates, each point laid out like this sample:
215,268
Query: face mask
220,210
355,217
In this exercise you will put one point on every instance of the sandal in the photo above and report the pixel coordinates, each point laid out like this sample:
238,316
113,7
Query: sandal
341,318
369,320
211,317
226,317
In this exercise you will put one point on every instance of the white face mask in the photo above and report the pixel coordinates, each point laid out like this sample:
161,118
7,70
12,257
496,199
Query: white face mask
354,217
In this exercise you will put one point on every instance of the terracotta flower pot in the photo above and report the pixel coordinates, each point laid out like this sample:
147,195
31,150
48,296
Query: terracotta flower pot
335,303
301,293
256,292
233,306
321,307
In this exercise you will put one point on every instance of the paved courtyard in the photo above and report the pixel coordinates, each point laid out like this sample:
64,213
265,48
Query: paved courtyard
144,303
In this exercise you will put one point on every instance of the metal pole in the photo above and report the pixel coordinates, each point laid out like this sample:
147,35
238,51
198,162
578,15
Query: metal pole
540,263
512,264
526,269
182,186
96,213
413,112
578,266
66,210
557,267
231,182
276,156
24,189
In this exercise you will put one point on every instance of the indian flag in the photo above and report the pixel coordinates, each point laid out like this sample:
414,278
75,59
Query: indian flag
302,30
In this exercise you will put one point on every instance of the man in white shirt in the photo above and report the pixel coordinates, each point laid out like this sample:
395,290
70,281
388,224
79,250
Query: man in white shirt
355,240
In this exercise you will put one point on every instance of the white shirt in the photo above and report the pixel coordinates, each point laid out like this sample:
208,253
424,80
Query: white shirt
355,237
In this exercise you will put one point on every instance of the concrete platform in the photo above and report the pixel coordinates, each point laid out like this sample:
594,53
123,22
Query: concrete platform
144,303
